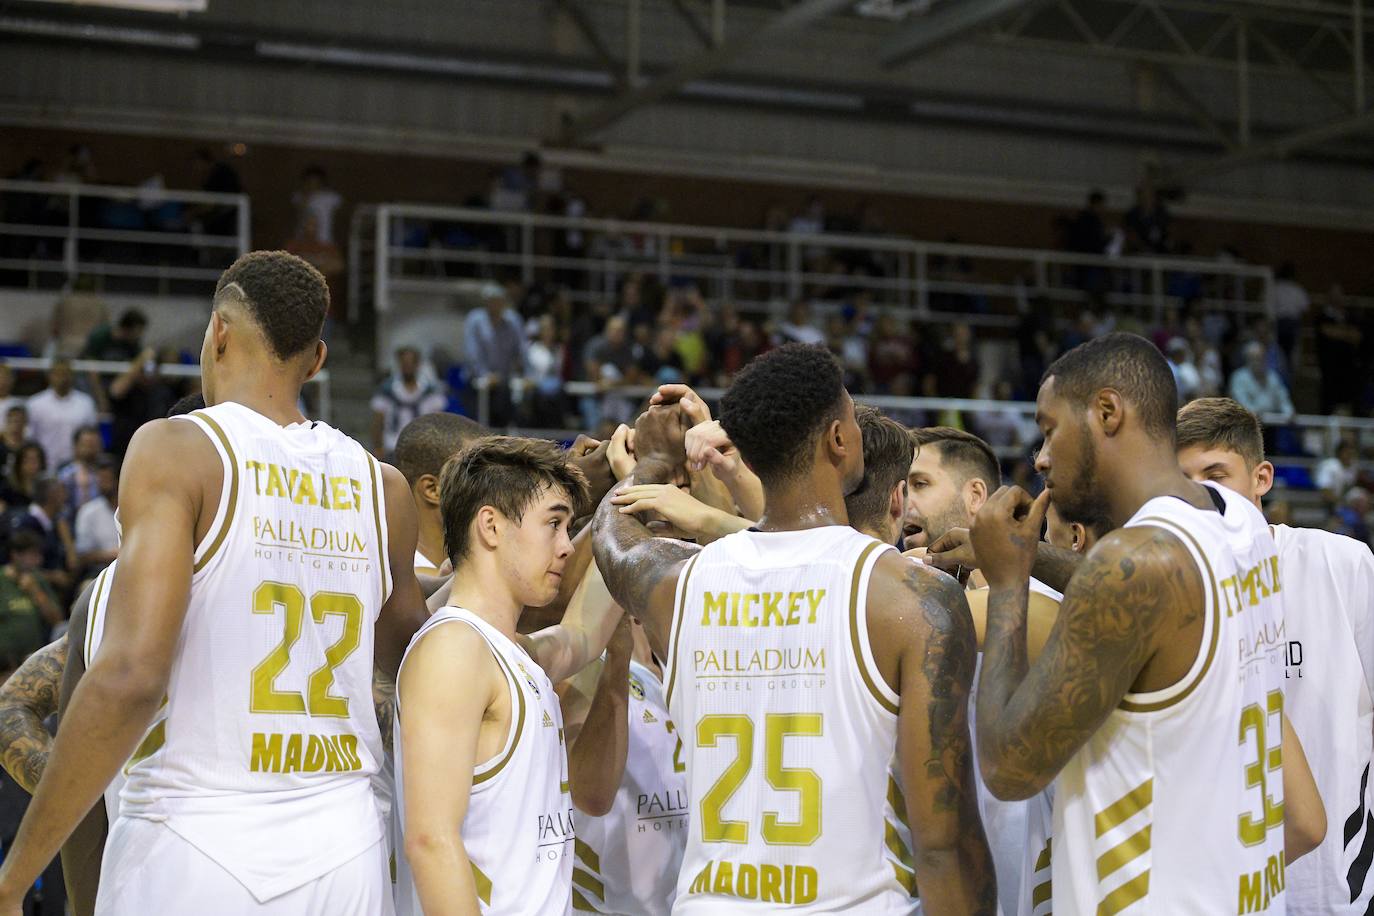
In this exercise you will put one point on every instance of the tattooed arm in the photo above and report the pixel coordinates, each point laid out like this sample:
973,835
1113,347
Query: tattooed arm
641,571
1136,591
26,699
923,641
384,703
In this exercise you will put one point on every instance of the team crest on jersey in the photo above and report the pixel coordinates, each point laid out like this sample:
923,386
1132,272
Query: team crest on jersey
636,688
528,679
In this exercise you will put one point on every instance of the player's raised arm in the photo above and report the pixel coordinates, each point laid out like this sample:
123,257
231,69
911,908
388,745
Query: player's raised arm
161,494
567,647
448,682
640,570
26,699
599,735
1032,718
935,665
405,610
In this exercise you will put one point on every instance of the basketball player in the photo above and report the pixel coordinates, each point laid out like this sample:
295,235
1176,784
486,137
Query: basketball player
226,514
627,778
1137,700
800,657
421,450
482,774
952,474
1329,643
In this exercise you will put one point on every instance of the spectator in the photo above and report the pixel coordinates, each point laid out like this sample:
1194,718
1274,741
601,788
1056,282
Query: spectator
956,372
1257,387
1338,354
1354,513
44,518
27,465
660,362
28,607
315,198
322,255
1206,358
1186,376
1338,473
79,475
120,342
798,328
8,398
494,345
216,177
1087,233
12,434
544,376
1007,427
1148,221
97,531
137,395
891,353
57,412
402,397
1288,303
610,360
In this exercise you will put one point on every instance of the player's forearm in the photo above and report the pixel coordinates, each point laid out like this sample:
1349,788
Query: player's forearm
1003,670
959,879
747,491
109,712
81,856
384,704
1055,566
623,545
588,626
720,524
596,759
443,874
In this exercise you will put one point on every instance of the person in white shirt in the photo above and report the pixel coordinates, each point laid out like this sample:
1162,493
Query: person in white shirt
57,412
97,529
1328,586
318,200
1288,303
1337,474
405,395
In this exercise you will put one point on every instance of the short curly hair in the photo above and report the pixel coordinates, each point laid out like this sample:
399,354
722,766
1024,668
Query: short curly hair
780,402
286,297
430,440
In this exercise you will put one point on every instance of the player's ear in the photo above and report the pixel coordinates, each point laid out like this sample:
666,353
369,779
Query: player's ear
1263,478
1080,536
428,488
317,360
219,331
896,503
1109,410
487,527
975,494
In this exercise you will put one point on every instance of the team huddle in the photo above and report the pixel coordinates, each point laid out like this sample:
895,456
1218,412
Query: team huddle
794,657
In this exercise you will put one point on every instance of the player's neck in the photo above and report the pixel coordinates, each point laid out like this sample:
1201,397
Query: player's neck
431,542
480,588
1145,480
805,503
262,390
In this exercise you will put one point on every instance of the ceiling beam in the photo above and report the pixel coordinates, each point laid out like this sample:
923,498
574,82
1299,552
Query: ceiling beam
1279,147
697,66
943,24
694,25
587,29
1196,109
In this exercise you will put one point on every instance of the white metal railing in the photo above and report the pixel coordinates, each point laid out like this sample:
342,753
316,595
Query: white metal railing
61,230
1332,428
980,284
323,401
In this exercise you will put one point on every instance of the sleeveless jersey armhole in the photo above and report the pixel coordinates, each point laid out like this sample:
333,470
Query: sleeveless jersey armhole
208,547
876,687
675,630
1176,693
95,615
379,521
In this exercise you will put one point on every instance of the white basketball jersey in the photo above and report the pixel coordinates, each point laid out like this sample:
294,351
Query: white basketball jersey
628,859
788,725
1328,584
1175,805
95,632
262,752
518,831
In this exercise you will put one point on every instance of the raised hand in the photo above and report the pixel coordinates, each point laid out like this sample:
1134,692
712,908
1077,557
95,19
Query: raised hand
1006,533
659,435
592,457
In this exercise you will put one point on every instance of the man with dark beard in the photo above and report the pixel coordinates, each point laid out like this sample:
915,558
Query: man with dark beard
1131,704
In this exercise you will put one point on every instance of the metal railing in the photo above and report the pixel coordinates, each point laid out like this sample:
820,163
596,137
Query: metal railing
323,401
404,249
53,232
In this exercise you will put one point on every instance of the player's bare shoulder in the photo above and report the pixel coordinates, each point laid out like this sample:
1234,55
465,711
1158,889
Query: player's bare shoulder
914,606
171,457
